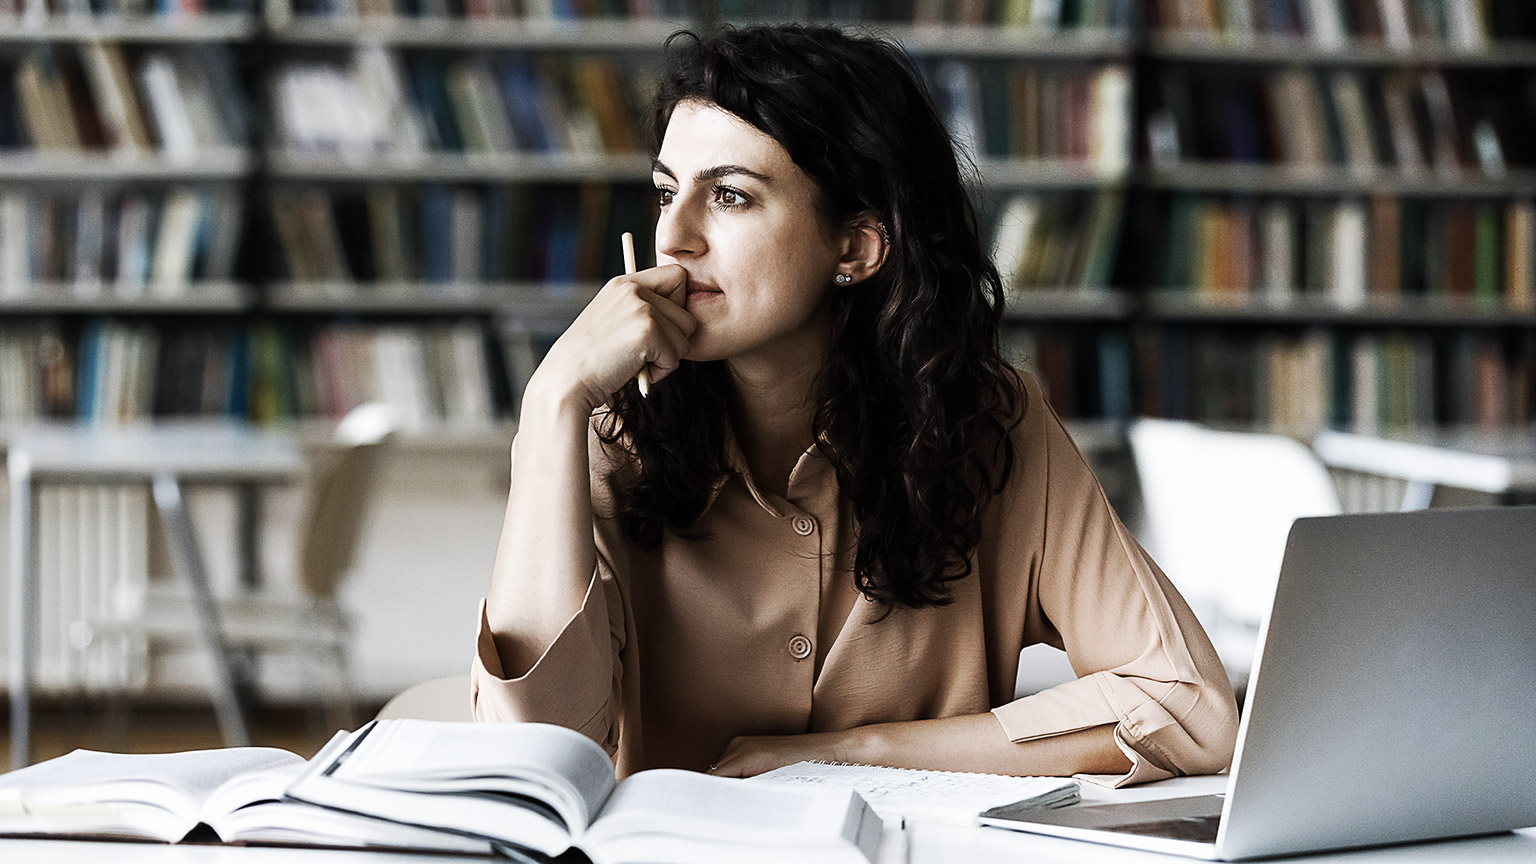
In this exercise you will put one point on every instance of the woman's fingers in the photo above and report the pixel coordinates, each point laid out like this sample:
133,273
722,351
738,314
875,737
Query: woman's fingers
668,280
669,350
634,321
671,308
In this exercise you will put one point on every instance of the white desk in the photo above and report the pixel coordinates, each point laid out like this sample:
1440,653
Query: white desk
1501,463
917,844
166,458
940,844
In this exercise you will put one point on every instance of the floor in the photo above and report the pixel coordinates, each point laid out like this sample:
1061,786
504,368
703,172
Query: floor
59,726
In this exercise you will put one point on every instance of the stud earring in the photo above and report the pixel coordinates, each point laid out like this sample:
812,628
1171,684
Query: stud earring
842,278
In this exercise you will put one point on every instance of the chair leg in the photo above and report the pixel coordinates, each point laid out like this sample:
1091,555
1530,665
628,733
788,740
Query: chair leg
341,707
178,526
1417,495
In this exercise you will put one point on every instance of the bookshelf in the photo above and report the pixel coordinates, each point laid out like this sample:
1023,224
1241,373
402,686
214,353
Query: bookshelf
1338,199
425,196
124,160
499,158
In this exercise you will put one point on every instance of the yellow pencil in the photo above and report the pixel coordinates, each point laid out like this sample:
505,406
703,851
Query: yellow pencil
628,240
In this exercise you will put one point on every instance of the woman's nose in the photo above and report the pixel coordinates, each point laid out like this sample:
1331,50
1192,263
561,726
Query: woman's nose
679,230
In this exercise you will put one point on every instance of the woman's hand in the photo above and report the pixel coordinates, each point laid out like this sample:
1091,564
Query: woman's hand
750,755
635,320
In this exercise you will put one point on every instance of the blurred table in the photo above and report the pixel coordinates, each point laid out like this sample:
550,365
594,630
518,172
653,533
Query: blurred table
166,458
1502,463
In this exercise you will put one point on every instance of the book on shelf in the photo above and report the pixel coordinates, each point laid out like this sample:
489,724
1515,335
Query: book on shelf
442,234
1017,110
131,371
234,795
45,112
435,373
37,379
193,101
1414,123
1363,381
379,100
443,371
1046,16
546,789
96,96
1461,25
899,794
1085,370
1471,255
1057,241
122,115
42,9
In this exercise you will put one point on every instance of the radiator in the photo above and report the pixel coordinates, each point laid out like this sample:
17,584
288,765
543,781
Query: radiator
92,565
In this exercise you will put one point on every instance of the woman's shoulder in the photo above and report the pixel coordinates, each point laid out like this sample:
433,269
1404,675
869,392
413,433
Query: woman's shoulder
1030,408
1035,430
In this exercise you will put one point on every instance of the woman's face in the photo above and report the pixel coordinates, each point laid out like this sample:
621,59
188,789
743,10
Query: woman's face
740,217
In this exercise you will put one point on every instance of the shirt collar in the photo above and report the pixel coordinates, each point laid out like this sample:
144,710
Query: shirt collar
809,465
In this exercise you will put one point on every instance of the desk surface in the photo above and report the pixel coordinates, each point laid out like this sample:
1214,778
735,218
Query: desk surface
918,843
1483,461
193,451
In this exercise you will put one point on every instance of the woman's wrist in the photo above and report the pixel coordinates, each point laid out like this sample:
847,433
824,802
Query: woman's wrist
549,396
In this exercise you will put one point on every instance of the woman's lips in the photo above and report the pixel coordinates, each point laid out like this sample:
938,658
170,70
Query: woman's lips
702,290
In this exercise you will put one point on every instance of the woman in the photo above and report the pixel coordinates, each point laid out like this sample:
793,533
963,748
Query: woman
839,515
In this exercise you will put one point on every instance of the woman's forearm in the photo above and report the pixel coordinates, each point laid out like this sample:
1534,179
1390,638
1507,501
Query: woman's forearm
546,555
976,742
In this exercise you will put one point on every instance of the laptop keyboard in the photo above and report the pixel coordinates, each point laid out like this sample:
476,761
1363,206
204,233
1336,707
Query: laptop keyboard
1200,829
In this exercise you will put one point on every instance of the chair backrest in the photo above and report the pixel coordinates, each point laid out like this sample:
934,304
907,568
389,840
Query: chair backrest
342,499
445,698
1218,508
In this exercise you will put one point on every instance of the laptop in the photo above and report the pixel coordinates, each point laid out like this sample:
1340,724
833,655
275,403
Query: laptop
1393,698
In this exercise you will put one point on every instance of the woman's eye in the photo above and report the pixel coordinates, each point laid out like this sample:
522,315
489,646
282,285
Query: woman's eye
727,197
664,196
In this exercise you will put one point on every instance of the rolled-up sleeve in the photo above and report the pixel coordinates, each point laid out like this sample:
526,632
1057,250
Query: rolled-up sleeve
574,683
1144,663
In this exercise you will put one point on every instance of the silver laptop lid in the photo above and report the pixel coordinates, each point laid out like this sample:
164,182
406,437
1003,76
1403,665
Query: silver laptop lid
1394,692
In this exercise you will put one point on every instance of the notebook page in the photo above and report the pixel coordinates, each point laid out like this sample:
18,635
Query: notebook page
903,793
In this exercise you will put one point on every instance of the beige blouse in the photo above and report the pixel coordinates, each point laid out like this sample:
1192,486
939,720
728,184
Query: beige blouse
757,628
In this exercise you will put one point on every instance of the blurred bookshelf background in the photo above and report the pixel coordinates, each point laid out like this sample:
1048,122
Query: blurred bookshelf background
1293,214
1286,215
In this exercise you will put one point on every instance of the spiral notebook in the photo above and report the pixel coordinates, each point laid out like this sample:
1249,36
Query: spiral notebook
943,796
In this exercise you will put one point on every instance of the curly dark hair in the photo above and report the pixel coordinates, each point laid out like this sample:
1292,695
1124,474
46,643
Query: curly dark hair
915,402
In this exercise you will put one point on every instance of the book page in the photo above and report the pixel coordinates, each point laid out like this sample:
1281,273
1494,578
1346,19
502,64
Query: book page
155,795
524,785
949,796
250,808
440,756
701,813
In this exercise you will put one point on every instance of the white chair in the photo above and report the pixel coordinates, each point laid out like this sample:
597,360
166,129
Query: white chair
445,698
1217,509
305,621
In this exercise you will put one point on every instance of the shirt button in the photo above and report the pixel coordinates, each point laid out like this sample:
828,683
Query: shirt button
799,647
803,525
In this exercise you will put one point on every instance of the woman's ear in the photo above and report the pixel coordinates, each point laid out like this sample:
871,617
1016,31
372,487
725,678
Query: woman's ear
866,242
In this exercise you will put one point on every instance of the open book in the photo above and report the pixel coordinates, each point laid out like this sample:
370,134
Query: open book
236,792
537,788
941,796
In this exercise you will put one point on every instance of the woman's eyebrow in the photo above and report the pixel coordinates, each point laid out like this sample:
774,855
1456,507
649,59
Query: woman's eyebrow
714,173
